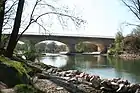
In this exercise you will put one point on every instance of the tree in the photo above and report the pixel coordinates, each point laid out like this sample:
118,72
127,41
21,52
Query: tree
34,18
62,48
117,47
41,47
80,47
134,7
135,32
86,47
118,41
52,47
2,9
12,42
131,44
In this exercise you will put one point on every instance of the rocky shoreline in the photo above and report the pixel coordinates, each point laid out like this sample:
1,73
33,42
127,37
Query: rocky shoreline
130,56
49,79
80,82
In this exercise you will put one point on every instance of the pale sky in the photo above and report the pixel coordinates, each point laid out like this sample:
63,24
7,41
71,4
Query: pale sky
103,17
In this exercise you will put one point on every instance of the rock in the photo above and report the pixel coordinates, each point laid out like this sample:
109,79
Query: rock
137,91
12,76
59,70
34,79
74,72
115,80
122,88
35,69
3,86
42,76
54,70
66,78
69,75
50,70
114,85
106,89
73,79
95,81
126,82
63,74
87,77
106,83
59,88
82,75
8,91
134,87
80,79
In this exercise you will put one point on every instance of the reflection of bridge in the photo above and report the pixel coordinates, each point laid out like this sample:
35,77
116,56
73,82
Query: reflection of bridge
101,42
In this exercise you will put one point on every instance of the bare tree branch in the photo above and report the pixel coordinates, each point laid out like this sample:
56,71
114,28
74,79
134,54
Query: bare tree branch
34,19
134,6
41,26
14,3
127,24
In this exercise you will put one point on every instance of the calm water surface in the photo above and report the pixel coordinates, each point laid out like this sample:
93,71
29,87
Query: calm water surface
105,67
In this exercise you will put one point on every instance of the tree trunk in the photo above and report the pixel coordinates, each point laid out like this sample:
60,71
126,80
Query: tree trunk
12,42
2,8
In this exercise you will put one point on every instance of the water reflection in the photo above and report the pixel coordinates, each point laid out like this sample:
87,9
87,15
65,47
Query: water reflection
106,67
57,61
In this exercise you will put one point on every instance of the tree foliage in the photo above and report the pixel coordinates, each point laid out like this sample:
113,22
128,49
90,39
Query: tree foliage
131,43
86,47
28,50
117,48
118,41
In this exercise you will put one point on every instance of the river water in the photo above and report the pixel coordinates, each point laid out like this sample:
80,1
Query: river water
105,67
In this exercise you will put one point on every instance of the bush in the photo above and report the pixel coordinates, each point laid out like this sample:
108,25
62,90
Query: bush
111,51
131,44
28,50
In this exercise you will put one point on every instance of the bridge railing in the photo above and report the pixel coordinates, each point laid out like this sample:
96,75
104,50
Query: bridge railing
64,34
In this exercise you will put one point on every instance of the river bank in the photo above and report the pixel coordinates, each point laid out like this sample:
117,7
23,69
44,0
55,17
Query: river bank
50,79
127,56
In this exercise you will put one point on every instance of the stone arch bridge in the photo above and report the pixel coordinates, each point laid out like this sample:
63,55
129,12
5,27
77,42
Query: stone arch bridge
101,42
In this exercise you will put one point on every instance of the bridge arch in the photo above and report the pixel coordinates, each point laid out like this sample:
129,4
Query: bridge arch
52,45
100,47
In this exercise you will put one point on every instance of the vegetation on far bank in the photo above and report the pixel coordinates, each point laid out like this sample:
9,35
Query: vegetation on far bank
129,44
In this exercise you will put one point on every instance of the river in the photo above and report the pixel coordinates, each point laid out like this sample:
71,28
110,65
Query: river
105,67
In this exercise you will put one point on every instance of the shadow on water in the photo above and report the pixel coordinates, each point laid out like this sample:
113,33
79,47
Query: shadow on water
106,67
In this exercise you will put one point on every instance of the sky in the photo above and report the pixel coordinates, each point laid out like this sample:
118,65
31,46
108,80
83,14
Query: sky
103,17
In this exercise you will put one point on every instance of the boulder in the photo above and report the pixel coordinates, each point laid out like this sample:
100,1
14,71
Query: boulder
12,73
